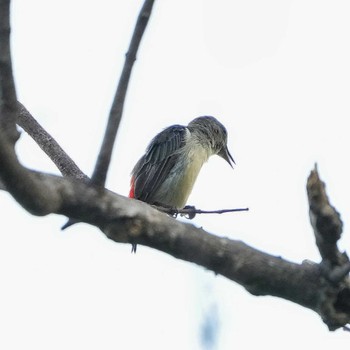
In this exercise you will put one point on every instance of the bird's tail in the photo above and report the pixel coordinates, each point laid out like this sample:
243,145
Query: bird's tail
132,195
132,188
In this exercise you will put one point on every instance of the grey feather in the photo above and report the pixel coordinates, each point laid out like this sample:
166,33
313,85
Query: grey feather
155,165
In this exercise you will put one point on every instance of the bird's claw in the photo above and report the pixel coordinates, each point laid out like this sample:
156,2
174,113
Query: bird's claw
191,212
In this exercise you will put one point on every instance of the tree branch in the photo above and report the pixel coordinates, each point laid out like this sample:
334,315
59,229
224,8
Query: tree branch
48,144
9,107
2,186
8,97
325,221
101,168
131,221
328,227
190,211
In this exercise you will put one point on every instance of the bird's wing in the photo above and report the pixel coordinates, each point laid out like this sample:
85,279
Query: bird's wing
155,165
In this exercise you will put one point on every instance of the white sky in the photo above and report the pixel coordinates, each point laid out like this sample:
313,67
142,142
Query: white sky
276,73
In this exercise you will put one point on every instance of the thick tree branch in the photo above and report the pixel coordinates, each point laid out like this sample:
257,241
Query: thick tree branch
127,220
100,172
29,191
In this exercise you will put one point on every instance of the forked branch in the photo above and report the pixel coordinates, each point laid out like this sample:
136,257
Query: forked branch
49,145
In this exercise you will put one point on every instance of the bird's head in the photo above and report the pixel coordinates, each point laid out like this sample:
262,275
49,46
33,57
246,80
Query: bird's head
212,133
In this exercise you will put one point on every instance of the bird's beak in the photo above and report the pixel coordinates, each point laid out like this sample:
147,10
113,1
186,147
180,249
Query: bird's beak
225,153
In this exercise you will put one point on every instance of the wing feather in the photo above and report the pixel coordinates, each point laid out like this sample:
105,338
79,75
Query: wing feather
158,161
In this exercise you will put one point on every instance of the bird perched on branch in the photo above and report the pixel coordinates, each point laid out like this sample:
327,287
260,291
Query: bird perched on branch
166,173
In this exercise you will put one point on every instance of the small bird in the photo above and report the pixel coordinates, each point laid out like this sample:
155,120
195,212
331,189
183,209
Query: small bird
166,173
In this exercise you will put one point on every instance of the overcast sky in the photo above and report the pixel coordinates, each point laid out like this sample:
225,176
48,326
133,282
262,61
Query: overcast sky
275,73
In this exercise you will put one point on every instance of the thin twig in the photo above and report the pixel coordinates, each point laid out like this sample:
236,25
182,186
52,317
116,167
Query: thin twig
220,211
190,211
103,160
48,144
102,164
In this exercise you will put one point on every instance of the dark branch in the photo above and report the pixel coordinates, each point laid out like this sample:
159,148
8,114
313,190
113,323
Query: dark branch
100,172
8,97
48,144
11,111
191,211
335,265
338,273
30,191
2,186
325,220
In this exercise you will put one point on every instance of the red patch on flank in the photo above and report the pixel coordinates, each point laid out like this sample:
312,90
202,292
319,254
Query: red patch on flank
132,188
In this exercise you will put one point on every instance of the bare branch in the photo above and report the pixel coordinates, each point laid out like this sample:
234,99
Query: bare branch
325,220
9,106
100,172
191,211
49,145
335,265
8,99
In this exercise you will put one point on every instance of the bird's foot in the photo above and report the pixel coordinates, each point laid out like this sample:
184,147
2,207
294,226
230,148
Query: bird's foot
191,212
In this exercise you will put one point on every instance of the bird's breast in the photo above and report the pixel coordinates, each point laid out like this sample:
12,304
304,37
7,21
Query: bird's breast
177,188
